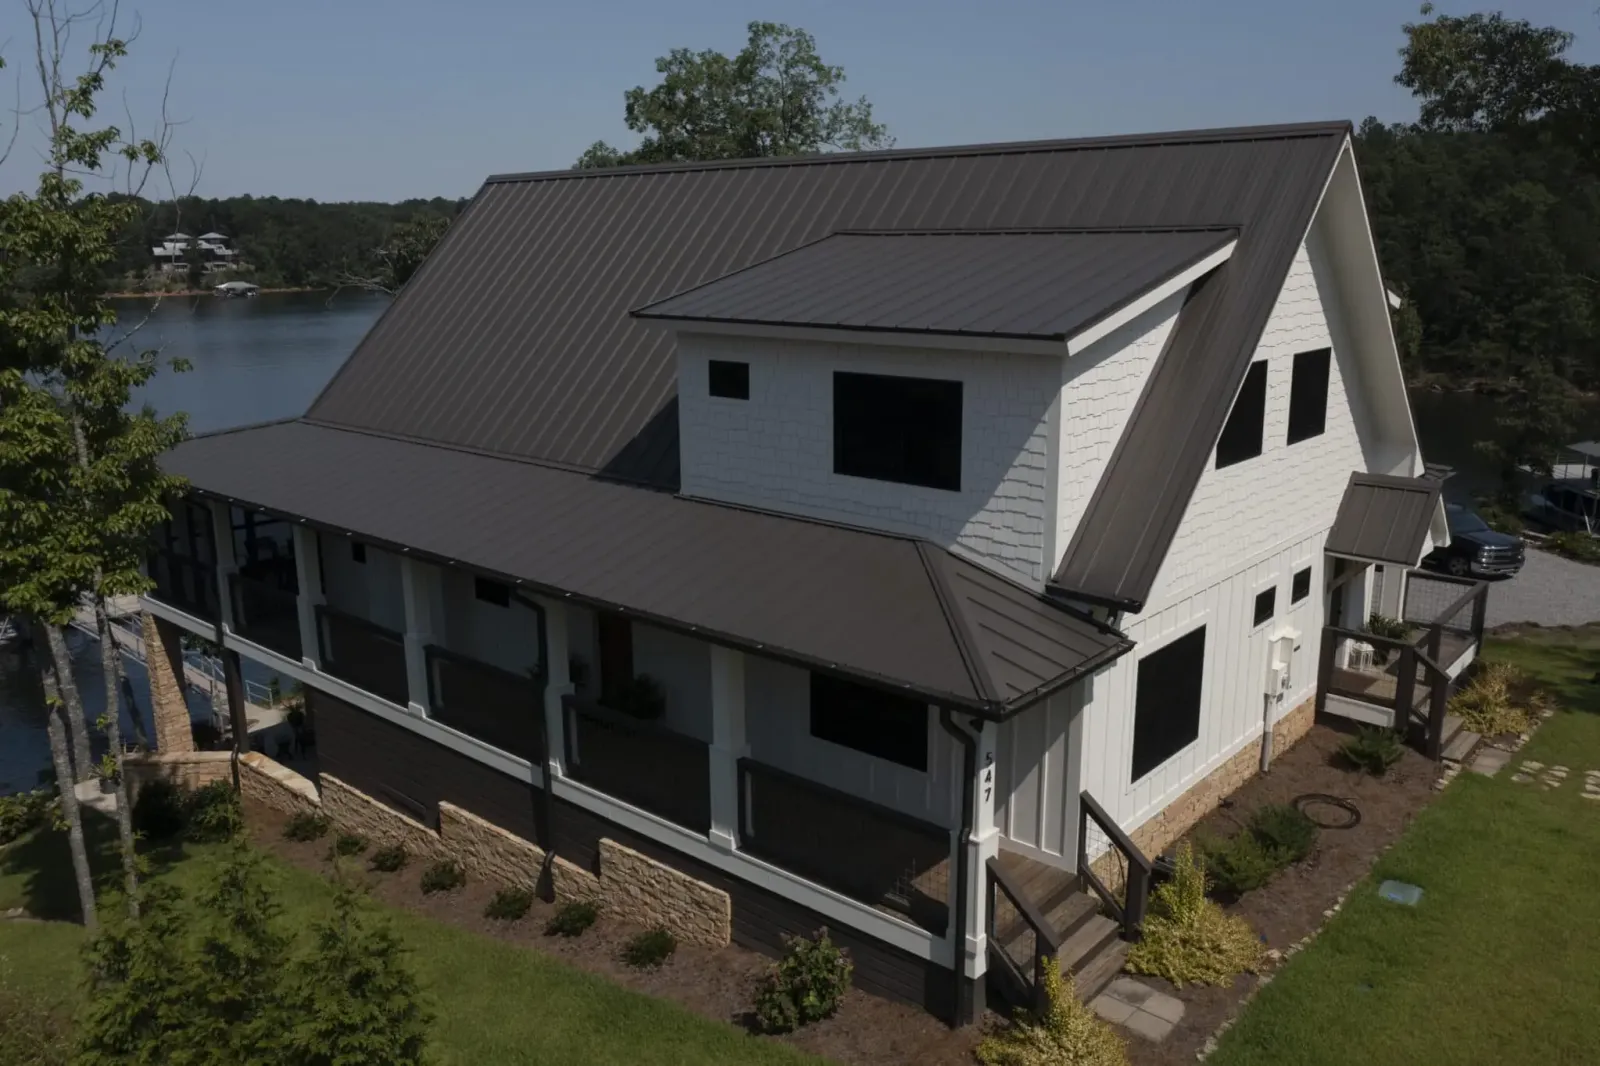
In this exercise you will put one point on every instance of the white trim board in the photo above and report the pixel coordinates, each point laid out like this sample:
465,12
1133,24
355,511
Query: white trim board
1150,298
182,619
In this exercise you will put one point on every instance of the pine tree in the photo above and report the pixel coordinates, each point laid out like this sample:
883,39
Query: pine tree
242,956
140,1009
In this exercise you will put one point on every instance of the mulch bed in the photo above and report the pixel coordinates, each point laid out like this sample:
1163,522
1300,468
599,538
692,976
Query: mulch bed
1295,903
718,984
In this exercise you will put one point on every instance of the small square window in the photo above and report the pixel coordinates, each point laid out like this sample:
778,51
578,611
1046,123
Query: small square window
495,592
1302,585
1266,605
358,551
729,380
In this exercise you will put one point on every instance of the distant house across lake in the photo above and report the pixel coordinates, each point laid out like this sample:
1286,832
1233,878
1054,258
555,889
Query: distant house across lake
177,250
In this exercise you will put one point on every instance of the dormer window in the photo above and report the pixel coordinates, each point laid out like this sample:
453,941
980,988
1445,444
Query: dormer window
906,430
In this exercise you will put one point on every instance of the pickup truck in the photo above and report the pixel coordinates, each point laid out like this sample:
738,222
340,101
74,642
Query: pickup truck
1475,550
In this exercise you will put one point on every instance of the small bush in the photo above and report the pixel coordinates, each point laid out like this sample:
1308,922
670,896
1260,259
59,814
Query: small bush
1189,938
158,813
347,844
1383,626
442,876
23,813
572,919
1285,830
307,825
1373,749
1497,700
388,859
1582,547
805,986
509,904
1499,517
1068,1034
1239,863
650,949
214,813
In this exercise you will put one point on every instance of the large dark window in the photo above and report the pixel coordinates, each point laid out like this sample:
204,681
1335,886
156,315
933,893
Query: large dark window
616,655
1301,587
1266,606
1241,437
870,720
1166,712
897,429
1308,394
729,380
358,551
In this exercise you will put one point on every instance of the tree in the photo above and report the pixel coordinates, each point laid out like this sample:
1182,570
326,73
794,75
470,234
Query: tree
1533,423
241,958
142,982
401,255
775,98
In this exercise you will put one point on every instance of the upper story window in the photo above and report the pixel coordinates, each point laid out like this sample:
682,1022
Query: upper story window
1266,606
906,430
1308,394
358,551
495,592
728,379
1241,437
1302,585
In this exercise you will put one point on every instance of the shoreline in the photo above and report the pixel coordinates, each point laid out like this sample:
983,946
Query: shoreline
137,295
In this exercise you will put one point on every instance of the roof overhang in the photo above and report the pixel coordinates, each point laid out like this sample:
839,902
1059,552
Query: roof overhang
1131,310
1387,519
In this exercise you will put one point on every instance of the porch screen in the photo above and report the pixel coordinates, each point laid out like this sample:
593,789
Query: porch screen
870,720
1166,713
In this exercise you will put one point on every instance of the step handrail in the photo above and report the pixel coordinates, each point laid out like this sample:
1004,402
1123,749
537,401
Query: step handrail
1131,909
1046,940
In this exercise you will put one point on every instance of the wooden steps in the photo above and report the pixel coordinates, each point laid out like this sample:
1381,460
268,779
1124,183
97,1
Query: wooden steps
1092,950
1459,741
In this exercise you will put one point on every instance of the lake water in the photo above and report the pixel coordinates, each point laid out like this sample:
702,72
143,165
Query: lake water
267,358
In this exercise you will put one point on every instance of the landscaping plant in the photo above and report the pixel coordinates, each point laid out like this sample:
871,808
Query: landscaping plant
1187,937
1582,547
307,825
573,919
30,1033
213,813
388,859
1373,749
1069,1033
347,844
443,876
1383,626
649,949
1239,863
1498,699
22,813
509,904
158,813
1285,830
804,986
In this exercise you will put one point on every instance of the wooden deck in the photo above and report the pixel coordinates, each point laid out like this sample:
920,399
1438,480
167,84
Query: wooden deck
1380,683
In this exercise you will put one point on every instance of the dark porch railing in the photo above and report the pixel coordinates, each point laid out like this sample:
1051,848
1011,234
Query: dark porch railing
501,708
266,614
639,762
1128,901
367,655
184,582
1021,939
1451,611
865,850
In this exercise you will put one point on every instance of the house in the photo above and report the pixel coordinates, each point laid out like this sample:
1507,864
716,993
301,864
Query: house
910,543
210,249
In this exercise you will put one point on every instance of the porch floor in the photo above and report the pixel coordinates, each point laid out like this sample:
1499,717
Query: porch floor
1381,682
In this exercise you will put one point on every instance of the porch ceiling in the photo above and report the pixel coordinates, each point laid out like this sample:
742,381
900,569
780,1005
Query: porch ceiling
886,608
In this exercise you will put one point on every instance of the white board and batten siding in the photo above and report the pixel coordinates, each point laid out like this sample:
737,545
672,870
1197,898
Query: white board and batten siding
1037,755
370,590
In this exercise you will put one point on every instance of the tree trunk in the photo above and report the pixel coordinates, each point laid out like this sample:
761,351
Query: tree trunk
111,665
71,700
69,797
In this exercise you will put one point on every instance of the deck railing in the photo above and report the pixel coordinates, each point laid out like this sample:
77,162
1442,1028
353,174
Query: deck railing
1126,902
497,706
266,614
869,852
369,656
1022,940
640,762
184,582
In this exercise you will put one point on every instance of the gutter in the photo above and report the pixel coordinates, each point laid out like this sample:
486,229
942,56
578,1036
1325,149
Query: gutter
969,774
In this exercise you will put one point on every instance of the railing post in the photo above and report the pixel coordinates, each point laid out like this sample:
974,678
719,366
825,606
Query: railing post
1138,896
1330,643
308,580
1480,606
983,845
1436,713
1404,688
727,743
558,684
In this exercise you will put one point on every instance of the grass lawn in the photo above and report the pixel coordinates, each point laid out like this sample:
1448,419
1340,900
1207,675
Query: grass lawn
1500,963
495,1003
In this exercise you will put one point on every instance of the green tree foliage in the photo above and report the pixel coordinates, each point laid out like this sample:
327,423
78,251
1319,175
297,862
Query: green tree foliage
140,1008
241,954
399,257
775,97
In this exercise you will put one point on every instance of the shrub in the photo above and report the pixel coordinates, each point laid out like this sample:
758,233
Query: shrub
1188,938
1497,700
805,986
1373,749
509,904
1583,547
1068,1034
1238,863
30,1033
442,876
1285,830
158,813
307,825
572,919
1383,626
388,858
650,949
347,844
23,813
1499,517
213,812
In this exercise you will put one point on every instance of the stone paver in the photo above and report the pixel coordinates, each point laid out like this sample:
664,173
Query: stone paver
1148,1026
1168,1008
1490,761
1139,1008
1112,1010
1550,590
1130,991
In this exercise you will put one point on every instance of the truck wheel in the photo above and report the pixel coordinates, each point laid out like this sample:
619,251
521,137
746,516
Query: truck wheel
1458,567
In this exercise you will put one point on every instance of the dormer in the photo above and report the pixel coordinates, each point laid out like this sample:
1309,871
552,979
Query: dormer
917,382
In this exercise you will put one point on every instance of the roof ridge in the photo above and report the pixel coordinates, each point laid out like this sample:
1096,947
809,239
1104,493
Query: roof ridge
966,643
1284,131
225,430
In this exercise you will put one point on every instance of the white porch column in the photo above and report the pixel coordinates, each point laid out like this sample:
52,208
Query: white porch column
308,576
227,565
416,585
982,845
558,683
727,743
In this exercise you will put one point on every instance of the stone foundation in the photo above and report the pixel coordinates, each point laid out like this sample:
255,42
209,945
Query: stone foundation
488,852
163,650
276,786
185,769
652,894
353,811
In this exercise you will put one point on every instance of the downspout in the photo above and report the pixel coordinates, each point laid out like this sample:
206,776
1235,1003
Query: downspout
541,796
969,774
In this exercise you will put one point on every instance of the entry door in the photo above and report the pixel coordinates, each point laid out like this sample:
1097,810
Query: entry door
1037,780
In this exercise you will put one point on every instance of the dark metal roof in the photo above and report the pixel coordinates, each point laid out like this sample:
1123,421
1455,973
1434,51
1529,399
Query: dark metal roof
1384,519
873,605
1035,285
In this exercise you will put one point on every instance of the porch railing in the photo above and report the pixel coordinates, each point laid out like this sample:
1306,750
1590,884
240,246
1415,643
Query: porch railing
639,762
266,614
1022,939
184,582
369,656
1128,901
863,849
1451,611
497,706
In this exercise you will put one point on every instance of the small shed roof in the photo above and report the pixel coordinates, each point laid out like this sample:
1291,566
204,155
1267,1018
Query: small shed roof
1384,519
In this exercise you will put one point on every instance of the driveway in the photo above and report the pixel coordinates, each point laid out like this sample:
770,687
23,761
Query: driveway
1550,590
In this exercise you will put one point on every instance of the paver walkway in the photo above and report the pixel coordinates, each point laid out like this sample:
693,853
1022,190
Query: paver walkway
1139,1008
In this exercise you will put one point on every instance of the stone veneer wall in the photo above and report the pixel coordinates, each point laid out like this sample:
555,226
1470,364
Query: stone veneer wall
186,769
353,811
163,652
274,785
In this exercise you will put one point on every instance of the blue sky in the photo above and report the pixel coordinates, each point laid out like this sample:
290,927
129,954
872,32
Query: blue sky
387,99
